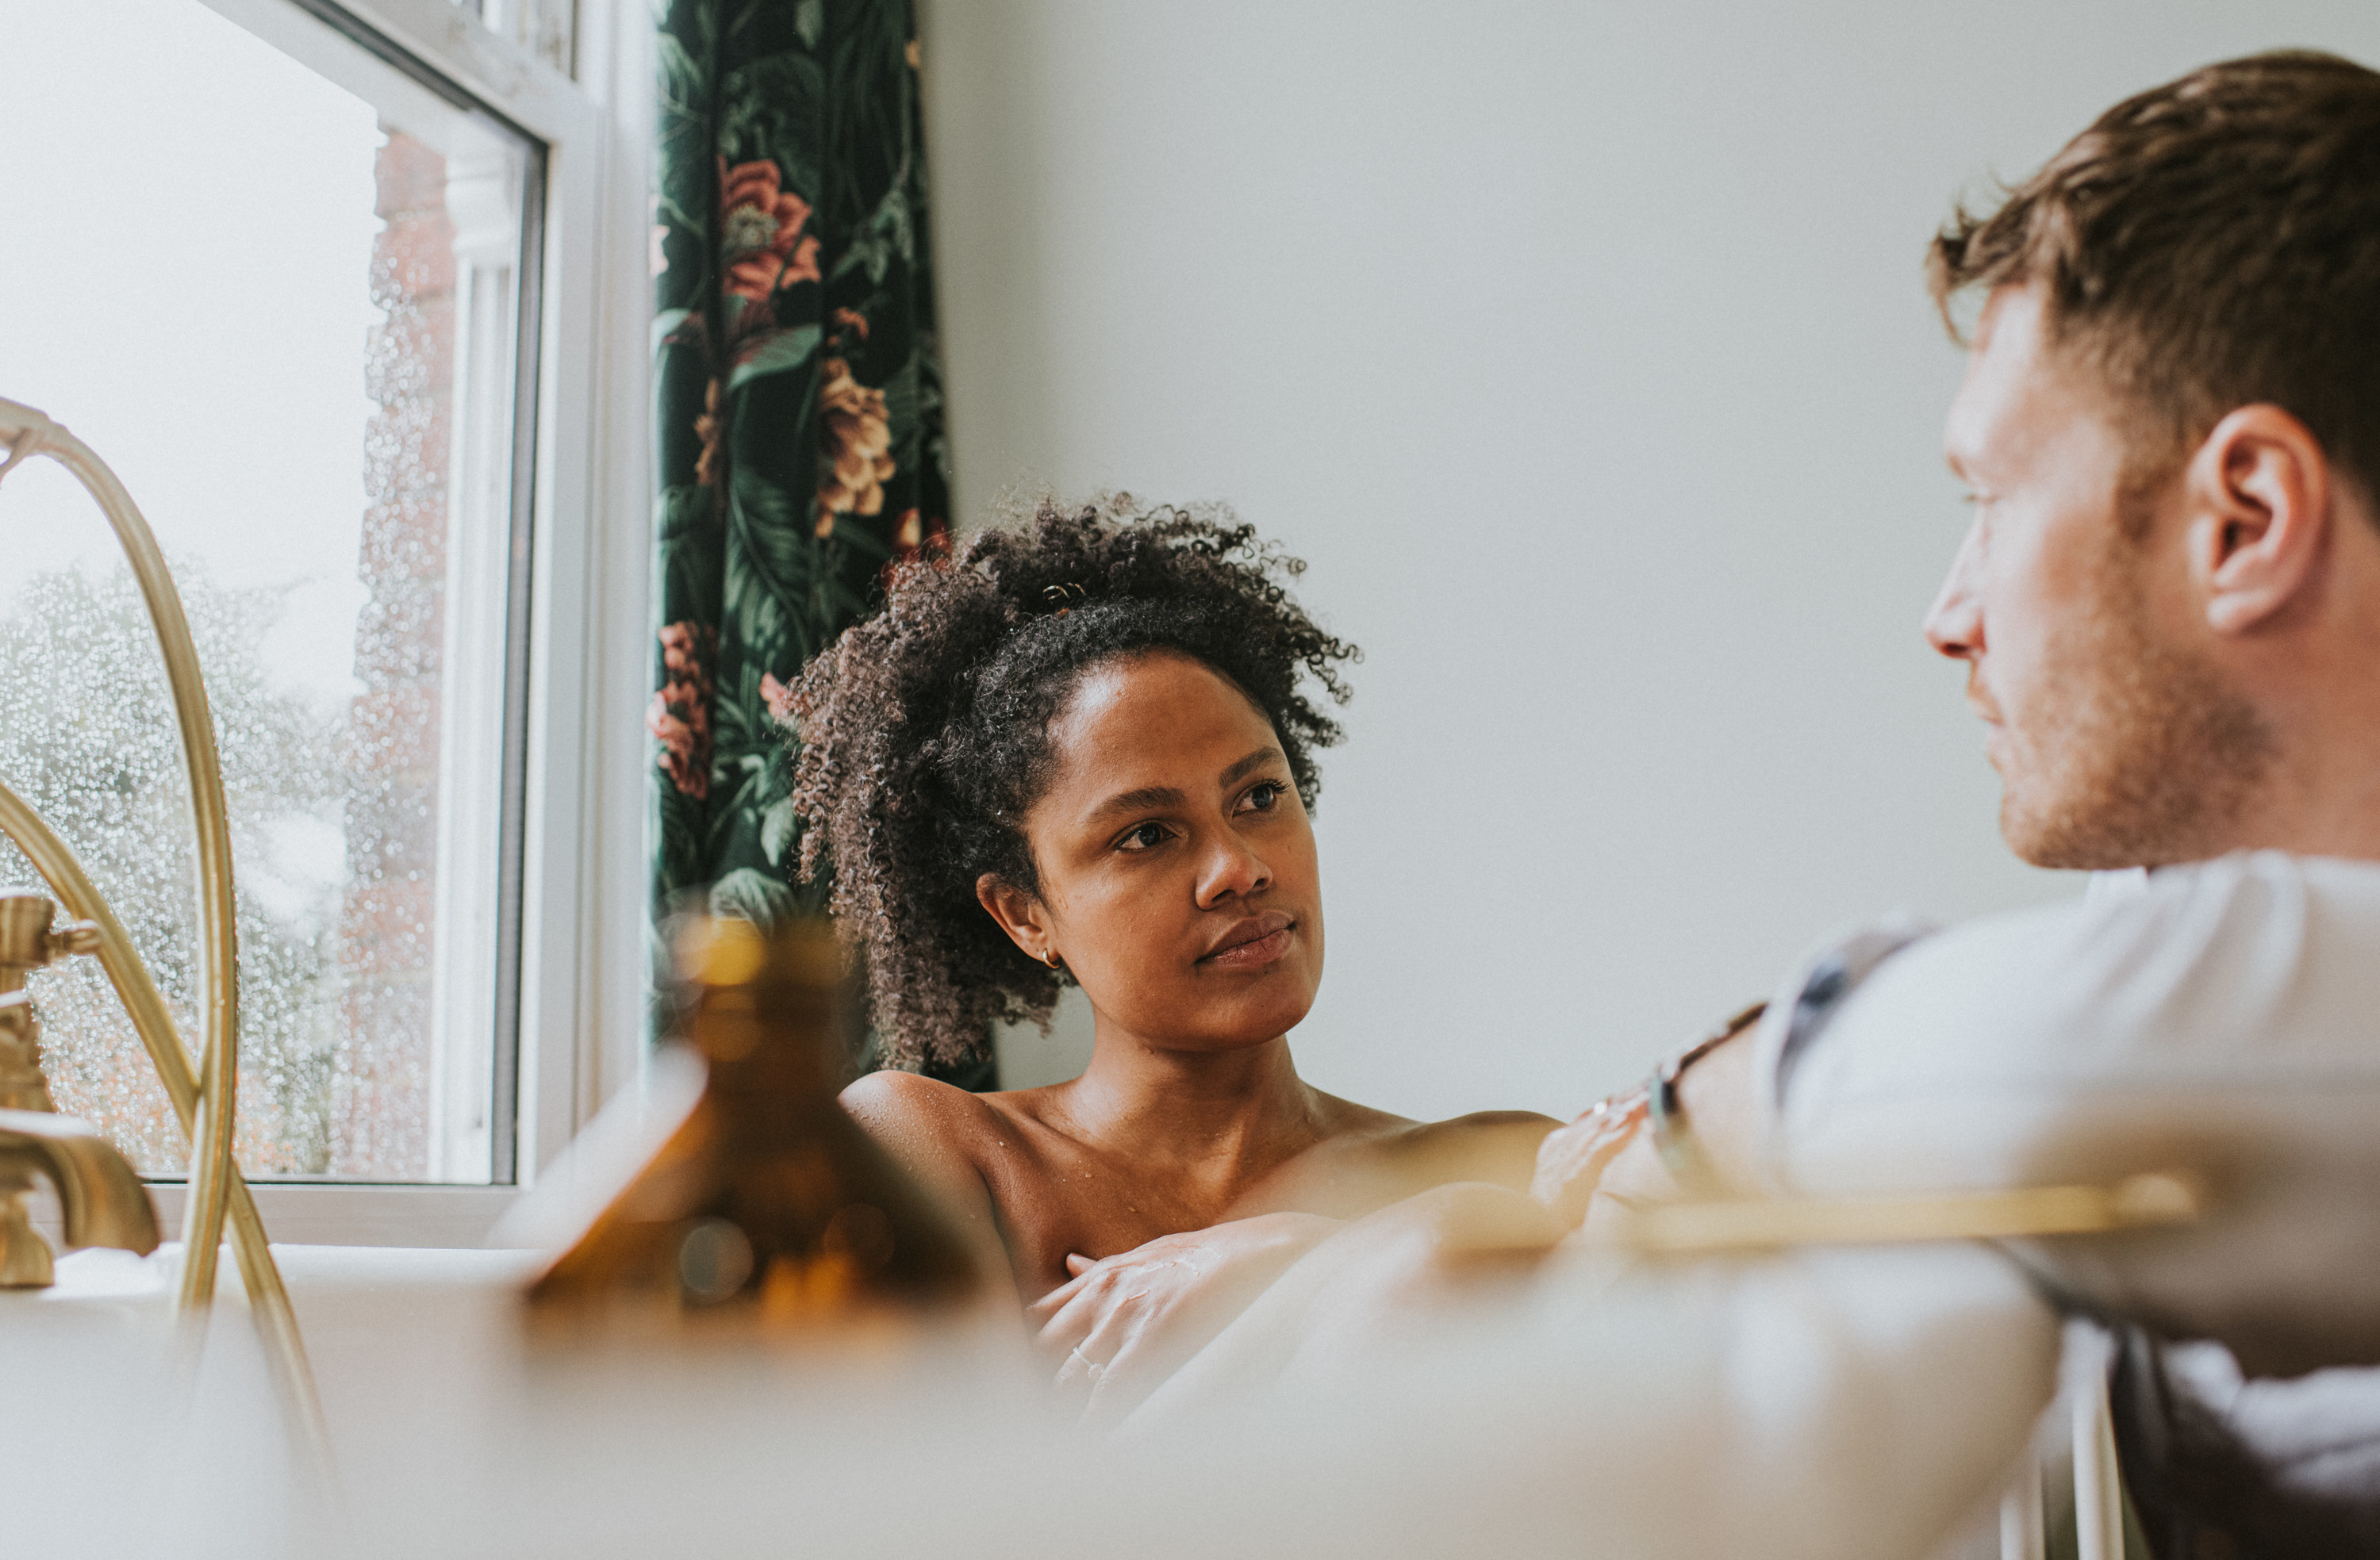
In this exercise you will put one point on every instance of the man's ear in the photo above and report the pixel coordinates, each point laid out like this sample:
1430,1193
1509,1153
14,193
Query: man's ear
2259,493
1019,914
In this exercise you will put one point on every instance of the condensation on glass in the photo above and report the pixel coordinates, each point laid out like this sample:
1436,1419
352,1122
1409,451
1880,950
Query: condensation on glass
350,595
542,27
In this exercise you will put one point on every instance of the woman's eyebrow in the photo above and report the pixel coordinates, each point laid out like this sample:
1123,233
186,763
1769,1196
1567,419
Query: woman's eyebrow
1253,762
1148,798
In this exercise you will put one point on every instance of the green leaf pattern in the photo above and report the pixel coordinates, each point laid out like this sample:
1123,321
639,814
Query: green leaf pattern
798,442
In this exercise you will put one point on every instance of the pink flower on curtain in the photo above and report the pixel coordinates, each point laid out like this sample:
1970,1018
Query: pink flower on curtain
679,717
779,698
760,230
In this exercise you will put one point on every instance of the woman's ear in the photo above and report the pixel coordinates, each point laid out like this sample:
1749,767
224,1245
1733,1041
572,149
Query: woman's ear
2259,488
1019,914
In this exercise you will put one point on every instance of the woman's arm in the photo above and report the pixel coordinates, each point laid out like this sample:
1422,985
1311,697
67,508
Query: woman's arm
1499,1148
1719,1106
927,1126
1607,1159
1375,1168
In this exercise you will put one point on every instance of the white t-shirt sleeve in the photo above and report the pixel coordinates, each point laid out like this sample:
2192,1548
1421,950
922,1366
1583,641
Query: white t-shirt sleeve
2221,1019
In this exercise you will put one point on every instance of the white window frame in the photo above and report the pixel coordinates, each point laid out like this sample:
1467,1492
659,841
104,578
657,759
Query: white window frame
583,868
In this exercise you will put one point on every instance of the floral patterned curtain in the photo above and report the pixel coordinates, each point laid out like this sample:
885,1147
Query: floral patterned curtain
798,403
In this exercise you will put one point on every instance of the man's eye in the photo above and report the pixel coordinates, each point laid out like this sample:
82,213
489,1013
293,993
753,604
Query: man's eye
1148,837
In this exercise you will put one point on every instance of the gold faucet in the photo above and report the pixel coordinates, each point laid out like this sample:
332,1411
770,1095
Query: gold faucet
101,1200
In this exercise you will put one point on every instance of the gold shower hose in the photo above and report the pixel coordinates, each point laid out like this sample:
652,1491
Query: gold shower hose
206,1099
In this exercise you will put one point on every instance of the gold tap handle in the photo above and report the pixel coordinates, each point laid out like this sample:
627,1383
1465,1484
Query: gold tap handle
277,1321
29,432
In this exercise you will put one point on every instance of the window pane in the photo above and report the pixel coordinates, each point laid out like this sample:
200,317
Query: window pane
288,316
542,27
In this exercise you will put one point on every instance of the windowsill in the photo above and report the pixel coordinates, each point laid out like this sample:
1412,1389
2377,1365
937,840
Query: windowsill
351,1215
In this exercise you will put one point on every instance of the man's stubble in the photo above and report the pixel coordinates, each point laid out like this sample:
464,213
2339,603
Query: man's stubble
2139,755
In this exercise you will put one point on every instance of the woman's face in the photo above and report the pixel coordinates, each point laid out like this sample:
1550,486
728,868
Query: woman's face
1177,866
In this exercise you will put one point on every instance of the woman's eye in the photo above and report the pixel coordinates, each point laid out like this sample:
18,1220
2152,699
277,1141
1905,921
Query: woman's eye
1148,837
1263,797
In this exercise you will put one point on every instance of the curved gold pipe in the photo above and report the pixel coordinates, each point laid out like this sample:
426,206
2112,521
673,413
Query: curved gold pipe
277,1321
28,433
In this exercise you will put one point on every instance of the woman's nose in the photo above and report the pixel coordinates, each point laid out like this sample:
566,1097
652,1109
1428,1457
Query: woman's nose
1230,868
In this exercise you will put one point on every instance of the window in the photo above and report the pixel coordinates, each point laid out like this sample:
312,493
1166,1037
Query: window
542,27
294,277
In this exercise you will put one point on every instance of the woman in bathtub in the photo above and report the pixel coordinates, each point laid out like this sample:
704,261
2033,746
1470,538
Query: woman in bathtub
1082,750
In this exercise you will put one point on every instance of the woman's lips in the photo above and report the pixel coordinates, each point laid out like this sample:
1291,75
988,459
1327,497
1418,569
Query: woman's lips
1253,944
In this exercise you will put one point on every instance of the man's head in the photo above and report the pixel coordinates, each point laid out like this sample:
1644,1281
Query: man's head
2170,601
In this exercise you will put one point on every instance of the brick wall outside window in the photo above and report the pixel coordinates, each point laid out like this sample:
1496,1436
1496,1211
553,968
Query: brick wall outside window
380,1105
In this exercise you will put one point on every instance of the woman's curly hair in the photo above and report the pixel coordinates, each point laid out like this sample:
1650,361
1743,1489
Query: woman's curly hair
925,733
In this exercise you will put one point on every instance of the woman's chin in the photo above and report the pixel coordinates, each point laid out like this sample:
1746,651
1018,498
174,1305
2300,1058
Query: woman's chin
1220,1029
1256,1025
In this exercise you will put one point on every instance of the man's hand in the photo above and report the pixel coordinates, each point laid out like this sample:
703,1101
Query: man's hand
1120,1326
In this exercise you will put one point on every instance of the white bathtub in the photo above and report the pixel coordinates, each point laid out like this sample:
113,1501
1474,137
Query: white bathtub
1836,1405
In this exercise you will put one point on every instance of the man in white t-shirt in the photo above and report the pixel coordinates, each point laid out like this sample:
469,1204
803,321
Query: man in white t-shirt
2169,607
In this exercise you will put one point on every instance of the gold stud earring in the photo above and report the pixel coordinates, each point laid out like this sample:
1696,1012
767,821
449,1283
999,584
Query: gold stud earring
1049,957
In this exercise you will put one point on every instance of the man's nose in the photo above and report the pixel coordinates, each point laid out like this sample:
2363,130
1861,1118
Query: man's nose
1230,868
1954,625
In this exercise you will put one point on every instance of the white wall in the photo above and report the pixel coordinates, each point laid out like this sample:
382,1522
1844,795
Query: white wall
1582,350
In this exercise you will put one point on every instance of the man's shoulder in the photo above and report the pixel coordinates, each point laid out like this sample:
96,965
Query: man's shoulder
2206,967
2222,921
2253,887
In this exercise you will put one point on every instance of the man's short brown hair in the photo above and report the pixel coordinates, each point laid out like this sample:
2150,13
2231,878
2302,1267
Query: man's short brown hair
2210,244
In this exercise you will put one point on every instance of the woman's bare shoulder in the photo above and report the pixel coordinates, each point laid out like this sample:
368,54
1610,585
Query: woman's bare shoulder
895,1103
1489,1145
953,1137
924,1120
914,1113
937,1132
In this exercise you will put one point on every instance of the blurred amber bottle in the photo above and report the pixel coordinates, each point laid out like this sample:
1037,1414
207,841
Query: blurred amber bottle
769,1210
